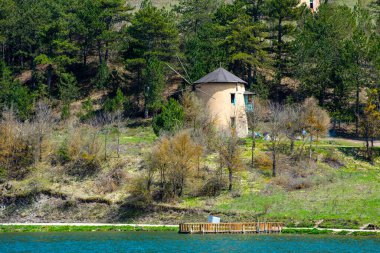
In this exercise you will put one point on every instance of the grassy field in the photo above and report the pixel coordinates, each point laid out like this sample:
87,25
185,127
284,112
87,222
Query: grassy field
346,197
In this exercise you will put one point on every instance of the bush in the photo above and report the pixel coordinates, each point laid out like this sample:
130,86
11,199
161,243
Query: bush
331,158
339,223
16,154
84,167
87,110
3,175
140,194
297,176
63,155
213,187
116,103
65,112
263,162
170,119
111,180
175,160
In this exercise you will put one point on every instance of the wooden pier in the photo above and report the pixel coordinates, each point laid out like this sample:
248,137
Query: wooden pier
237,228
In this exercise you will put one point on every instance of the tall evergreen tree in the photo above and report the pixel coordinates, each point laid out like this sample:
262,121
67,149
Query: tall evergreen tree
282,13
154,86
246,47
194,14
152,35
356,58
320,58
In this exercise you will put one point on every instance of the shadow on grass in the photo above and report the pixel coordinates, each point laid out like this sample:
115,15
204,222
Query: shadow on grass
359,153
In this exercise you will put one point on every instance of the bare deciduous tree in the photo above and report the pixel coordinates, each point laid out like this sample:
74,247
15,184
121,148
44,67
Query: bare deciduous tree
292,123
42,126
176,160
255,118
315,120
230,155
276,127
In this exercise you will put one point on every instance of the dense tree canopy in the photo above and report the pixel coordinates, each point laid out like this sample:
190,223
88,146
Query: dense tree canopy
64,50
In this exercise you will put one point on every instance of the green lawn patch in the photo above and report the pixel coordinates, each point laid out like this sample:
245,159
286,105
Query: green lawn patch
306,231
41,228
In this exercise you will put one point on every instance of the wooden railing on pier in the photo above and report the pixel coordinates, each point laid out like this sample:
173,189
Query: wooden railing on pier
214,228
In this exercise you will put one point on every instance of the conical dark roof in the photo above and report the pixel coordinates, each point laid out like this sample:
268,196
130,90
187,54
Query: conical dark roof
220,76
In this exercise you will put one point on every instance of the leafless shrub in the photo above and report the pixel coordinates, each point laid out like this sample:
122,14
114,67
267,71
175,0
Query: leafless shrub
84,140
139,190
84,167
263,163
315,120
80,152
213,186
111,180
292,125
256,117
200,121
276,126
16,154
230,155
41,127
173,161
299,175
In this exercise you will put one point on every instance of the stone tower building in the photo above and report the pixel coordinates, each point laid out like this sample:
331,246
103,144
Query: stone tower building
226,99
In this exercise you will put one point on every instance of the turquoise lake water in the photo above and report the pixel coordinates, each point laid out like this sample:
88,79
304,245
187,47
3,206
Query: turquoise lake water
79,242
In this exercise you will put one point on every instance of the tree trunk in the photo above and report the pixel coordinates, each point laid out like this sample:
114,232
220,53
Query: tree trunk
49,76
292,145
118,146
3,49
371,151
146,110
85,57
253,148
357,107
367,142
100,53
40,148
250,79
310,147
106,55
274,163
230,179
279,59
105,146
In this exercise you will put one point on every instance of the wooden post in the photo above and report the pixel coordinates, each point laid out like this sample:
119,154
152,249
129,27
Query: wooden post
258,226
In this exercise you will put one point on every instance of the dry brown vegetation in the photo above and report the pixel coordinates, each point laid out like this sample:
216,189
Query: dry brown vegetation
172,164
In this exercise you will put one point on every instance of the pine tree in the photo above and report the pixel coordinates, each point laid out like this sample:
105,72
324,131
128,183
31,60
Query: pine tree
152,35
281,14
154,81
246,47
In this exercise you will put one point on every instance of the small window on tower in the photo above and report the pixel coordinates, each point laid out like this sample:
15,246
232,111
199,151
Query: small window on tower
311,4
233,97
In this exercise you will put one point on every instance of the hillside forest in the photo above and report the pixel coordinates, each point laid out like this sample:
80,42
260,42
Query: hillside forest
98,121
